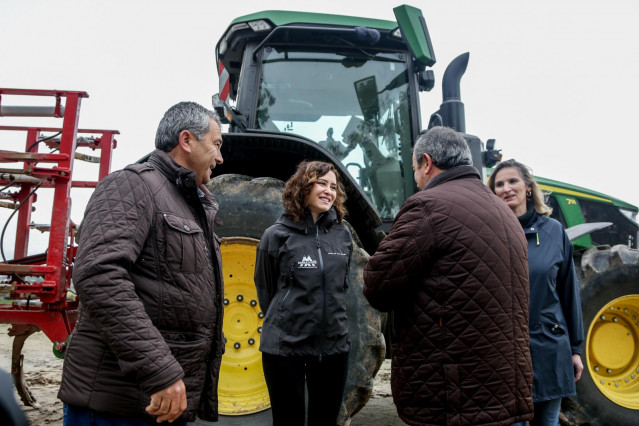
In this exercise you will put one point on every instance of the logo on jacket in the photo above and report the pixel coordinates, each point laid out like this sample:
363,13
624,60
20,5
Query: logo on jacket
307,262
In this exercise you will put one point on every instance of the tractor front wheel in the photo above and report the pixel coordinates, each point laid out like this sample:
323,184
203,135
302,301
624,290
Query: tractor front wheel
247,207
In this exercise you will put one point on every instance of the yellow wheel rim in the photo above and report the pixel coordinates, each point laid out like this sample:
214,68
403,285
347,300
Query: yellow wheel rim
612,348
242,389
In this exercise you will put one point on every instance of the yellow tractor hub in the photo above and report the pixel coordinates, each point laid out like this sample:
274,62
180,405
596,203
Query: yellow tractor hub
242,389
612,348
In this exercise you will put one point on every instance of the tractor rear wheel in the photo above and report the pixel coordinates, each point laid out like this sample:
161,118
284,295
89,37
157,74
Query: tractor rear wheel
608,392
248,207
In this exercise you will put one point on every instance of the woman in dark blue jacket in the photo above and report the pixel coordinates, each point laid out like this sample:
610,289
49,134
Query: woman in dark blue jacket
556,328
301,277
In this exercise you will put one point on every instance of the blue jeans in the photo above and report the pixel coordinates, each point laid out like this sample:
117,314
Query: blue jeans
84,417
546,413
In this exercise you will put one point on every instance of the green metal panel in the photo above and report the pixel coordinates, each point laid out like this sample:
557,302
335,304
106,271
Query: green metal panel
283,17
580,192
572,213
413,26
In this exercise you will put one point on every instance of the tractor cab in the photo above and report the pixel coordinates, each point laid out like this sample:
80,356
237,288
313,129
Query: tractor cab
347,85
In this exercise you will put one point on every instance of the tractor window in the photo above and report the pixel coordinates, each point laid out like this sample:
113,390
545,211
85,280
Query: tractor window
556,210
354,106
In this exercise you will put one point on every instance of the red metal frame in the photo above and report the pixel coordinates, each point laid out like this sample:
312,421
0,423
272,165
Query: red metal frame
44,302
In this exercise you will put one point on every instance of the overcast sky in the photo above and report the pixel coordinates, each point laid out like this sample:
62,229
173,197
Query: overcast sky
554,82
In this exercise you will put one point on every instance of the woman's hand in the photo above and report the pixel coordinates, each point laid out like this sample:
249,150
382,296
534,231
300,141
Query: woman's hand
577,365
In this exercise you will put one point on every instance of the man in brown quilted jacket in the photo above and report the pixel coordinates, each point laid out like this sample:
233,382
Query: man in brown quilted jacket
148,342
454,271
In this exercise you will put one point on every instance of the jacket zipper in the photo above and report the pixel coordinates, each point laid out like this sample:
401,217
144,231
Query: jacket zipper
321,261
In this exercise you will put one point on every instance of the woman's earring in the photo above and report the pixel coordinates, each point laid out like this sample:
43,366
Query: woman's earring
528,193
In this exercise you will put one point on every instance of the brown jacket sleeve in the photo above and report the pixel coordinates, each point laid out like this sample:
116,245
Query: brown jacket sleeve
117,222
402,256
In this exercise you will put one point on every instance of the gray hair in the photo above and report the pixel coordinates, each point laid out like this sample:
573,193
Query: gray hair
445,146
183,116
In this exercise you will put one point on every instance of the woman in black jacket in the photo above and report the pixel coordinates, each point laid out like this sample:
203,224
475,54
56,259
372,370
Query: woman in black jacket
556,328
301,276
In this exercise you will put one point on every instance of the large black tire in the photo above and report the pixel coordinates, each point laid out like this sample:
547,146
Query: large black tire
249,206
608,392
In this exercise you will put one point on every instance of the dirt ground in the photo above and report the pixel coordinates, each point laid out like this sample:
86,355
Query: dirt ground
43,371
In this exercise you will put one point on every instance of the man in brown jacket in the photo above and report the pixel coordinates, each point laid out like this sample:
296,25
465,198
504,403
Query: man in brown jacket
454,271
148,342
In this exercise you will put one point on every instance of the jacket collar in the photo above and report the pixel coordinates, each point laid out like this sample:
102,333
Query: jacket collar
458,172
184,179
181,176
325,221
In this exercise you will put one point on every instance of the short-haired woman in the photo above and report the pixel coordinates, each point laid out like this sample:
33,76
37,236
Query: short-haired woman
556,329
301,276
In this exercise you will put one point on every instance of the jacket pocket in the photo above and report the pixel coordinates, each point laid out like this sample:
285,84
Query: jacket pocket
193,357
185,248
552,325
288,288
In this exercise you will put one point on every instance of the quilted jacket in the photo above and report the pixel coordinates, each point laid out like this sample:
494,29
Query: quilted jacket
148,274
454,270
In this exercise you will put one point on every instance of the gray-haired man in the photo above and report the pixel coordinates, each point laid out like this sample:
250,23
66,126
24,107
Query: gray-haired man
148,342
454,270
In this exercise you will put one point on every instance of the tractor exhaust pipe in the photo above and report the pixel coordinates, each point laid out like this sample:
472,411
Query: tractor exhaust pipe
452,111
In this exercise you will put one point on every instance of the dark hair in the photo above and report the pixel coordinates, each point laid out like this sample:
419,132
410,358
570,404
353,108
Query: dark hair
538,197
445,146
299,186
183,116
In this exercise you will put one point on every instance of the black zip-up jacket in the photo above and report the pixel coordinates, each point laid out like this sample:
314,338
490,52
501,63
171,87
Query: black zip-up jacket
301,276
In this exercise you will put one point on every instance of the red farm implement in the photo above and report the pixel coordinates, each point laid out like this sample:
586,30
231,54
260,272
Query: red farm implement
35,286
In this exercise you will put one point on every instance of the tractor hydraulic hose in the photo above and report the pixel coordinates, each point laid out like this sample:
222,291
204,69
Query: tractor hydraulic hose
4,229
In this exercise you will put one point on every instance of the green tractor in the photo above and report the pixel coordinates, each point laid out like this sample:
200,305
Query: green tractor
343,89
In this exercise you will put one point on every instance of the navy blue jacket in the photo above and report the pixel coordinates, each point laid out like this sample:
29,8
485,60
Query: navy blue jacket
301,277
556,327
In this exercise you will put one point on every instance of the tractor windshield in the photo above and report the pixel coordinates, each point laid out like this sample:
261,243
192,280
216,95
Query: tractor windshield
355,106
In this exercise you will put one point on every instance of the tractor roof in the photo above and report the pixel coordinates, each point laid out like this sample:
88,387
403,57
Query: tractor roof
284,17
298,29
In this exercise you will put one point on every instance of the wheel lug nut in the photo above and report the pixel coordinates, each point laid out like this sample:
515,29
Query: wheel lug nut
627,380
602,382
253,302
260,315
609,371
226,301
240,297
603,317
252,342
597,368
615,319
616,384
259,329
236,345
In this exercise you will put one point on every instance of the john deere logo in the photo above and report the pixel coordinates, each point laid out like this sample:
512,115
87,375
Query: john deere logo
307,262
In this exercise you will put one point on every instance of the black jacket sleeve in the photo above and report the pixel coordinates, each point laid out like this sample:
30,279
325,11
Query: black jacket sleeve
266,269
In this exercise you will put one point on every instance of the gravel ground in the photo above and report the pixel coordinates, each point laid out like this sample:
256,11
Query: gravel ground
43,371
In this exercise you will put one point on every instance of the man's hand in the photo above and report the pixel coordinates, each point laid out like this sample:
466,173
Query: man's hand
168,403
577,365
